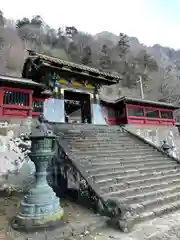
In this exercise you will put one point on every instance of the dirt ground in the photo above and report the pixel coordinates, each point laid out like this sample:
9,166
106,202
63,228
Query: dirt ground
9,205
76,218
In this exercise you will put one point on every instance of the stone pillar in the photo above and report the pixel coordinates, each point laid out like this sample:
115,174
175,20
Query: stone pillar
40,208
97,98
62,93
56,92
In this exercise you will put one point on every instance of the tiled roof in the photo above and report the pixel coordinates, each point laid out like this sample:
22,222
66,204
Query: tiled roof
149,102
18,80
74,66
126,99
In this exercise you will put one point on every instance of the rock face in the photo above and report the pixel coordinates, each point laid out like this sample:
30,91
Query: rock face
13,155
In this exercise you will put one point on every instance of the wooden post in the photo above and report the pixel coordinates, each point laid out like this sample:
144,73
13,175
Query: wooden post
1,101
30,103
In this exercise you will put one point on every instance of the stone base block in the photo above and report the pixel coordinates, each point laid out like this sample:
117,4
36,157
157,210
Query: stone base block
51,222
4,131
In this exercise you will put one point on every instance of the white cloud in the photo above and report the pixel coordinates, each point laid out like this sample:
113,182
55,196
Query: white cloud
135,17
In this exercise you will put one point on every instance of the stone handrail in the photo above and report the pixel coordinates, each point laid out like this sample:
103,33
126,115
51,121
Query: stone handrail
151,144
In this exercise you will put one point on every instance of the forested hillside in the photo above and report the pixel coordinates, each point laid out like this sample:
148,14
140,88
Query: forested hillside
159,66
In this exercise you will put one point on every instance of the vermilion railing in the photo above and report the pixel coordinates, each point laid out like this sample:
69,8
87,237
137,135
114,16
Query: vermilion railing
112,117
19,103
149,120
15,103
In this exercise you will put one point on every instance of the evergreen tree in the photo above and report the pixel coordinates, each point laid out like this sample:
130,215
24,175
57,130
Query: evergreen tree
123,45
86,56
145,64
105,59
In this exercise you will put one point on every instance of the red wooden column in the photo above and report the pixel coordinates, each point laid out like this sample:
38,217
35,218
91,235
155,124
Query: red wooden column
1,101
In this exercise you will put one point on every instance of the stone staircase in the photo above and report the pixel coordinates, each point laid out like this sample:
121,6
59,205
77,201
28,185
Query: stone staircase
144,182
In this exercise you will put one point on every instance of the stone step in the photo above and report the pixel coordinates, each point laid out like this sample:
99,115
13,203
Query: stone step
113,148
139,150
81,152
103,176
136,177
108,159
92,127
150,213
110,147
104,141
94,131
128,183
119,159
94,134
118,147
115,161
106,150
90,137
137,194
145,165
128,155
158,211
163,197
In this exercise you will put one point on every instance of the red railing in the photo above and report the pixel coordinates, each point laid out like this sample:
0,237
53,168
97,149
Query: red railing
149,120
19,103
113,119
15,103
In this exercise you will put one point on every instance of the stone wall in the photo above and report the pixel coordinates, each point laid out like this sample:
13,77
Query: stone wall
157,134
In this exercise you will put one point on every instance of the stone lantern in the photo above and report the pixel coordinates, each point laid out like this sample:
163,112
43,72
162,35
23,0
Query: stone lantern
40,208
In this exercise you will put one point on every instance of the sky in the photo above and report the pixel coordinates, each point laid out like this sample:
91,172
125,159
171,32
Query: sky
151,21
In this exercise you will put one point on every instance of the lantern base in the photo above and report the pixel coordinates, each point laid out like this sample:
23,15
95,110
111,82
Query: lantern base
25,224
